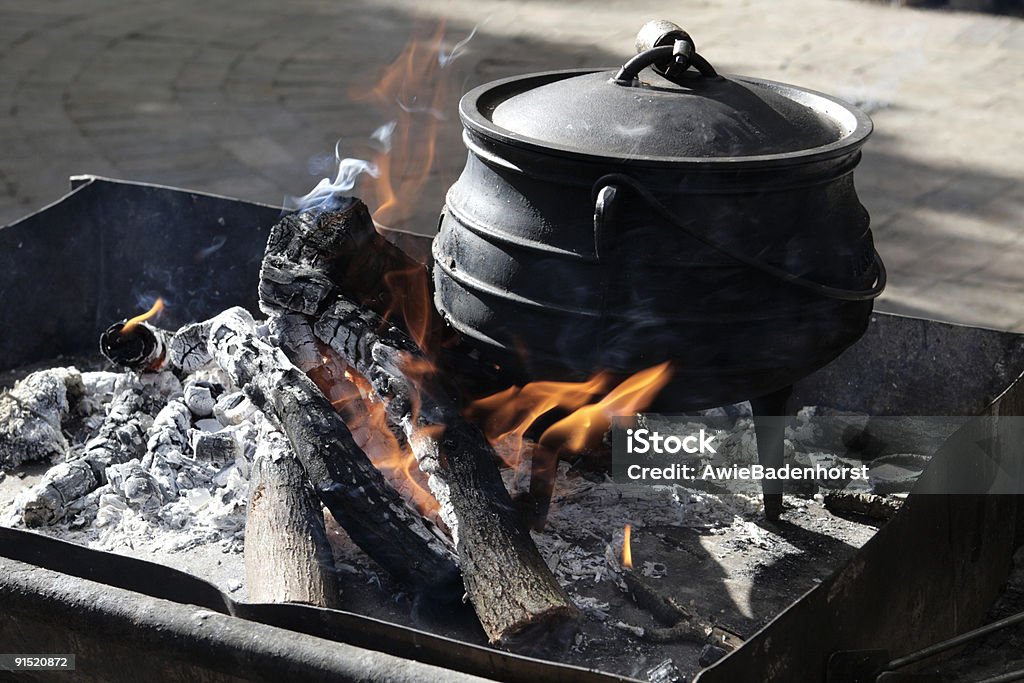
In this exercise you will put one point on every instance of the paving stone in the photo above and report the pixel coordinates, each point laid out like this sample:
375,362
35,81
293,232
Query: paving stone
237,97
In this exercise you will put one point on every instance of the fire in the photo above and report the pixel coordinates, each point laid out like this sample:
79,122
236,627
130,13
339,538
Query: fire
627,551
583,427
411,303
413,91
158,306
507,416
366,418
412,94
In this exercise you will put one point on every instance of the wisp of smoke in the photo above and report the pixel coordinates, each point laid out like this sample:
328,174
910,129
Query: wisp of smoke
329,194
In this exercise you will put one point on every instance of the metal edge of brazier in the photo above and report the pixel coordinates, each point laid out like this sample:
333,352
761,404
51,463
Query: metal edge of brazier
933,571
901,366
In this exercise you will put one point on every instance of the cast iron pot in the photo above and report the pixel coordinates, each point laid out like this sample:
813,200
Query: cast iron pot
612,220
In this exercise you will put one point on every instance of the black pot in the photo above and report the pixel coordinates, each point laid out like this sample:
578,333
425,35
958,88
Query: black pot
613,220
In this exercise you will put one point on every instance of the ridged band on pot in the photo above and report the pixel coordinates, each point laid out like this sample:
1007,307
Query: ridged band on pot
749,271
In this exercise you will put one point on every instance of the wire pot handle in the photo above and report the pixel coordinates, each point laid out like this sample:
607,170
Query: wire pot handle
668,49
602,198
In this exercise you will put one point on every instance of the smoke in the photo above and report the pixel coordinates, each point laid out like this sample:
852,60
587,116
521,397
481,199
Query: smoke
329,193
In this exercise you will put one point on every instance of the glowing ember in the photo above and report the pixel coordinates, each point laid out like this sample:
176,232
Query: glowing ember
627,551
158,306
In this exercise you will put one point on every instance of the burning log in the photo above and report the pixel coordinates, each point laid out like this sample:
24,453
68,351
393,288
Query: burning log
310,260
31,414
287,555
347,483
386,446
510,586
311,256
121,438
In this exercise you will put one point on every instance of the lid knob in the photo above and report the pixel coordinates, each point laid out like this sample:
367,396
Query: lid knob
666,48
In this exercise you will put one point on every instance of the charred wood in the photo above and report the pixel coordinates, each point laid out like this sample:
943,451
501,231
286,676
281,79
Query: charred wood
287,555
345,480
142,348
510,586
383,443
679,622
312,256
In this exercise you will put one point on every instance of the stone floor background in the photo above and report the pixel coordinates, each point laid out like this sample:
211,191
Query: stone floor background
237,97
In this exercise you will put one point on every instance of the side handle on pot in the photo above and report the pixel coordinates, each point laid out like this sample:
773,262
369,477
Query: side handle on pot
604,207
610,186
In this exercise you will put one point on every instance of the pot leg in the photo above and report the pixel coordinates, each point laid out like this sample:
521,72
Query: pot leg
770,413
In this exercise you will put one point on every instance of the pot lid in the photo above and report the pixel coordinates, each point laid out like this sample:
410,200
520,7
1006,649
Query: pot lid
666,112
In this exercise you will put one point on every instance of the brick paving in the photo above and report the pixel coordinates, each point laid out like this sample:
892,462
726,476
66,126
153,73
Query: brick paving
237,97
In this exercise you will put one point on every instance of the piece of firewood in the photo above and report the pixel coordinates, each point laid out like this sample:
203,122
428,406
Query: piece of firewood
385,444
121,438
680,623
31,415
866,504
512,589
287,555
311,260
375,517
311,256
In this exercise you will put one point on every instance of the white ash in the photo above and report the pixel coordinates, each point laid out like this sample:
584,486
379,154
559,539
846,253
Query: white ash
199,398
583,537
234,408
189,488
31,415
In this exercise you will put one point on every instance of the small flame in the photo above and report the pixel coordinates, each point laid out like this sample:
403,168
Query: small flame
508,415
158,306
411,303
627,551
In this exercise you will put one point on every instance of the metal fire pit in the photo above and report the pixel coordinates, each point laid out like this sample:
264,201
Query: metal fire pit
68,270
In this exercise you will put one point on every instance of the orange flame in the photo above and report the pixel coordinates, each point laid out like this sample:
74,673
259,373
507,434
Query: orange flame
588,424
508,415
366,418
411,303
158,306
413,92
627,551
